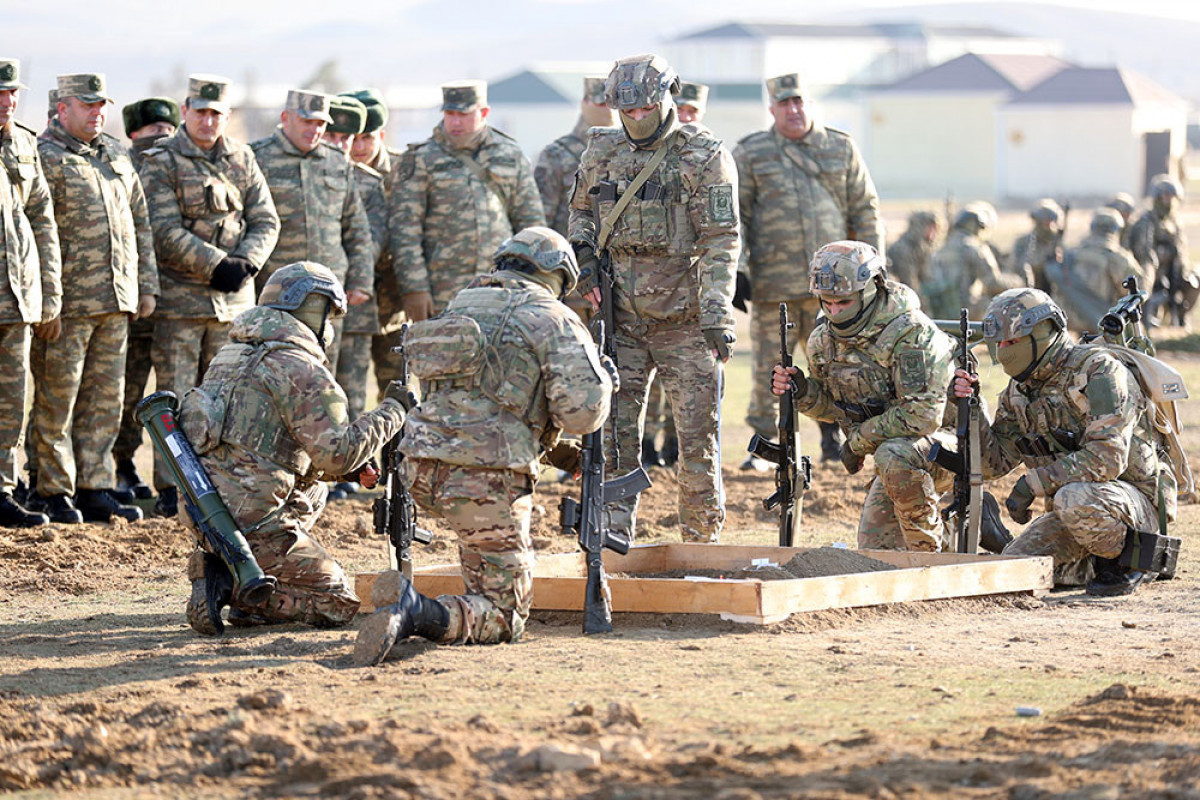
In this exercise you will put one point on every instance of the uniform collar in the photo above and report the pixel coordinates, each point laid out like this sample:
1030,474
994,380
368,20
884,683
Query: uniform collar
292,150
817,137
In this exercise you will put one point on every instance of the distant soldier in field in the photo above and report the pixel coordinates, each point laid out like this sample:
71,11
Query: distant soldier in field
30,281
1032,251
692,102
1124,204
455,198
1160,246
965,272
1102,262
910,256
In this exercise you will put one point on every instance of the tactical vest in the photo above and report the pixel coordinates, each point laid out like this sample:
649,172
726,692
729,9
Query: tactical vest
859,370
210,204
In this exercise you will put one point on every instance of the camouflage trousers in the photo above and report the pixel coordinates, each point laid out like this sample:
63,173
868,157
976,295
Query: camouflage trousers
181,353
489,510
137,372
387,362
659,418
354,361
14,366
1086,519
312,588
76,416
901,511
763,414
691,378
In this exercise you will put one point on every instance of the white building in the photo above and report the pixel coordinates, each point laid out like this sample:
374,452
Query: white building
541,103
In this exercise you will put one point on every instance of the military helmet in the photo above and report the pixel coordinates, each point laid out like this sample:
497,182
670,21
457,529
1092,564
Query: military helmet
979,212
1165,184
543,249
288,286
1046,210
1014,313
1107,220
843,268
640,81
1123,203
922,219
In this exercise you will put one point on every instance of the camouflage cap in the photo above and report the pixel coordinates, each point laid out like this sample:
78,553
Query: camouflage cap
1165,184
90,87
10,75
209,91
785,86
288,286
639,81
692,94
52,108
1014,313
1046,210
349,115
1123,203
544,249
464,96
149,111
376,106
308,105
843,268
593,90
1107,220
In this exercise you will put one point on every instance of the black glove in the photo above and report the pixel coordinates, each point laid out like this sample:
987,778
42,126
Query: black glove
589,269
799,383
231,274
852,461
1019,502
741,294
402,394
613,373
565,456
721,341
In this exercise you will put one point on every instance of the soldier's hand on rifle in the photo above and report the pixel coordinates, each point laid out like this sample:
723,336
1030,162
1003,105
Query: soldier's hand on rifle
368,476
589,270
565,456
593,297
720,341
417,305
851,460
614,374
146,305
964,383
49,330
1020,501
791,379
402,394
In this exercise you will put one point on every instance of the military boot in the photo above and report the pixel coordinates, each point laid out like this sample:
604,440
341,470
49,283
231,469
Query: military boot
98,505
167,504
670,451
59,508
14,515
831,443
21,492
129,480
1114,580
412,615
650,455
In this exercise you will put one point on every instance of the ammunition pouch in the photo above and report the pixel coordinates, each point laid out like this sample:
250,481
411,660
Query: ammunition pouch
858,413
1150,552
445,350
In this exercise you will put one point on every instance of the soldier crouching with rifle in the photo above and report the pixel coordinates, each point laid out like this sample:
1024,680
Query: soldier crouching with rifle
504,370
880,369
269,425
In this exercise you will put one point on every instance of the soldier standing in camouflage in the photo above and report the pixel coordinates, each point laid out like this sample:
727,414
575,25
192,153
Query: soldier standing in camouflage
1075,417
1100,260
879,369
692,102
802,185
454,199
1032,251
30,280
146,123
214,226
674,247
1160,245
109,275
474,445
1124,204
909,257
965,271
320,214
269,424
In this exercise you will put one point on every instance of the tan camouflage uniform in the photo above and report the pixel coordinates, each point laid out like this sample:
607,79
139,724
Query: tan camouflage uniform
444,223
1029,256
30,278
1104,265
680,254
320,213
966,275
910,257
361,323
795,198
203,207
387,279
1156,240
108,261
1109,483
284,430
473,445
902,361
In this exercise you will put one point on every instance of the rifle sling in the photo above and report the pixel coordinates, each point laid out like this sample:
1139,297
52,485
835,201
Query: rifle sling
610,219
482,174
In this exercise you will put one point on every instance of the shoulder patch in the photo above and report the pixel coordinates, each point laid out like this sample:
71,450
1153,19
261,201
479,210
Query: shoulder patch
720,203
913,375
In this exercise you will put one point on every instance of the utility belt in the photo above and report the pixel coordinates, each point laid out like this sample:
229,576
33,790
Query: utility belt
1038,446
858,413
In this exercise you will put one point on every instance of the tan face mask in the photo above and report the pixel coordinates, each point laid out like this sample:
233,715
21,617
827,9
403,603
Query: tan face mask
1016,358
316,315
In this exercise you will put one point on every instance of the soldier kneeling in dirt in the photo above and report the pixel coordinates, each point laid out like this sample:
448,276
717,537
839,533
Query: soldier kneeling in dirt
879,369
1077,418
269,424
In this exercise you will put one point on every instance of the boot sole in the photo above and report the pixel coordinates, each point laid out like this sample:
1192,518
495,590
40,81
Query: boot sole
376,638
197,611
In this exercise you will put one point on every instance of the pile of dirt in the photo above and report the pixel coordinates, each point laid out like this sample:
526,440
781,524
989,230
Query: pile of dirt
824,561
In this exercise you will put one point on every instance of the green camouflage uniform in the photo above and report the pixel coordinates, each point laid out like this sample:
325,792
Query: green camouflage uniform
1029,256
203,207
444,223
473,445
965,274
680,253
910,260
30,279
1156,241
108,261
903,362
321,216
795,198
1109,483
1104,265
269,423
361,323
387,279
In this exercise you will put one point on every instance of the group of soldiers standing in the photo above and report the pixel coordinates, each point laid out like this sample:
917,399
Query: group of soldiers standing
342,239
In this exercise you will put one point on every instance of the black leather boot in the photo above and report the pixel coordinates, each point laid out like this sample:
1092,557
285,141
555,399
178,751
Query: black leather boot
129,480
670,451
14,515
413,614
60,509
167,504
650,455
98,505
1113,580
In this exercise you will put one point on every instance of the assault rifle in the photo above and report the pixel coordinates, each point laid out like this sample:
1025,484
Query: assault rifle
1123,324
395,512
793,472
585,518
